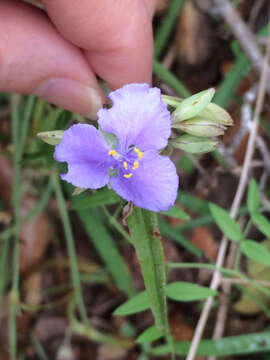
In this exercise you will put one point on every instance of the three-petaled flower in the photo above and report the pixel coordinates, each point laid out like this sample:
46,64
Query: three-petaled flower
133,166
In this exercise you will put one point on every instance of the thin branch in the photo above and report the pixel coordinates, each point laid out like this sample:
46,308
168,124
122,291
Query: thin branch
242,33
244,282
235,206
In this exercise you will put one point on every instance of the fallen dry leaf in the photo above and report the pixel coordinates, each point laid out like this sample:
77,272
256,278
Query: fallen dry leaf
6,180
202,238
161,6
32,289
180,328
34,236
193,35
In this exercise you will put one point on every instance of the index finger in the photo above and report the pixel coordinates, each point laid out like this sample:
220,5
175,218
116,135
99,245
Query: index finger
115,35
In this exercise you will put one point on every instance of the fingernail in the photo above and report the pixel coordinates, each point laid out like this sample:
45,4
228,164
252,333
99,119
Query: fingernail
71,95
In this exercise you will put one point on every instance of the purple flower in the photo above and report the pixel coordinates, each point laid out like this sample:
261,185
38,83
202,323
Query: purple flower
132,165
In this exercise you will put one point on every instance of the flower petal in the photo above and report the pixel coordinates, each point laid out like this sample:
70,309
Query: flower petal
86,152
153,185
138,117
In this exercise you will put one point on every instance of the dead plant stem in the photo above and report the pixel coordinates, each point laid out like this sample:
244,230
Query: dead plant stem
234,209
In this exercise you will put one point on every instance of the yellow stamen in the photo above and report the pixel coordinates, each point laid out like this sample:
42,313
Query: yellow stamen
127,176
112,152
125,165
138,151
135,165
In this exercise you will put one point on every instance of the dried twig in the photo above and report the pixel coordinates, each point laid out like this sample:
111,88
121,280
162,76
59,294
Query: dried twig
241,31
235,206
244,282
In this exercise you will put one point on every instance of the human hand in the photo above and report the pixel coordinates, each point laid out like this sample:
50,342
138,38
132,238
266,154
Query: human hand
57,55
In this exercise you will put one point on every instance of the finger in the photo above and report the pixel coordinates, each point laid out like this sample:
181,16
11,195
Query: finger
35,59
116,35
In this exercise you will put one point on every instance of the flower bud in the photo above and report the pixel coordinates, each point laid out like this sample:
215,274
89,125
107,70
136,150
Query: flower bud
171,100
194,144
192,106
199,126
51,137
217,113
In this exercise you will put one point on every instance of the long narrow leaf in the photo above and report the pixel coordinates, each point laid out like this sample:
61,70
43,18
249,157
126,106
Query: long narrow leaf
107,250
146,240
233,345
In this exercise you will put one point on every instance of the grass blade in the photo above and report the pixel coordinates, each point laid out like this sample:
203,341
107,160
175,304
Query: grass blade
75,275
107,250
228,346
146,240
166,27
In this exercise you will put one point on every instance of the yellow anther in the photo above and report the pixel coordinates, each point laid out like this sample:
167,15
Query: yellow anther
135,165
127,176
125,165
138,151
112,152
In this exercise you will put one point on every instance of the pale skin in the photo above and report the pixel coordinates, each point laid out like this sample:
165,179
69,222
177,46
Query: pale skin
58,54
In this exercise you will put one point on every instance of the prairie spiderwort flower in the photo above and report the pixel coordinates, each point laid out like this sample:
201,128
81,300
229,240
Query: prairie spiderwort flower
133,167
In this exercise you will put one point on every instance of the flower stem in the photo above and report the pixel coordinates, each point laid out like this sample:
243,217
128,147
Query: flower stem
146,239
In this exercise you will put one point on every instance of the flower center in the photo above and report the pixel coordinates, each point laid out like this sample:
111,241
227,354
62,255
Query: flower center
127,162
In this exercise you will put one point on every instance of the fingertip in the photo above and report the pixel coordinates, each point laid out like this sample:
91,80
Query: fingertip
71,95
38,60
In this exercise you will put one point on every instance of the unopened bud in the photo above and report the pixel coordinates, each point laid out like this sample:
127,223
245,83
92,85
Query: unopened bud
171,100
217,113
192,106
51,137
194,144
199,126
78,191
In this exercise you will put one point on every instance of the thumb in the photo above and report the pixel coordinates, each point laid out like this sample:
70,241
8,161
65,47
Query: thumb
39,61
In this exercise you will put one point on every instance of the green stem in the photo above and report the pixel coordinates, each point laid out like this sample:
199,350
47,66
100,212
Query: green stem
164,32
170,79
112,220
146,239
14,293
75,275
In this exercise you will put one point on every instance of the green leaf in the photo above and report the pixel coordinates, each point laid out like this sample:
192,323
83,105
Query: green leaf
262,223
225,222
194,144
228,346
107,250
101,197
255,251
253,197
176,213
193,203
149,335
136,304
185,291
51,137
146,239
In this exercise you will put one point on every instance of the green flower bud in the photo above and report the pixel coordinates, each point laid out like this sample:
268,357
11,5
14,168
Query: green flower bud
192,105
194,144
199,126
51,137
217,113
172,100
78,191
